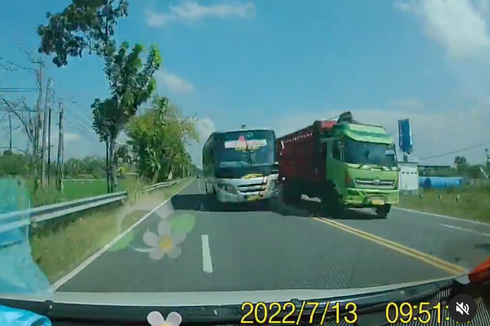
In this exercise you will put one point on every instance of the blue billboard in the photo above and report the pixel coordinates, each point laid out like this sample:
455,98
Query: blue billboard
405,136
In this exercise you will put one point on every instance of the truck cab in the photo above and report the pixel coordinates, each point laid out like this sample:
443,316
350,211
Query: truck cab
362,168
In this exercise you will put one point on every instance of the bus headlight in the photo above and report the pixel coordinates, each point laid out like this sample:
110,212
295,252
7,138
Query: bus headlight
227,188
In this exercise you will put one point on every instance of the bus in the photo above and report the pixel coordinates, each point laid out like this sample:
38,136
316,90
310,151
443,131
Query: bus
240,166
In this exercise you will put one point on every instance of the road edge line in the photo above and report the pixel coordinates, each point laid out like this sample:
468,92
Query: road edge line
427,258
102,250
443,216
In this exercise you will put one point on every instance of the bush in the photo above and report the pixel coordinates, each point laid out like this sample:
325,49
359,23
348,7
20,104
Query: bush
135,188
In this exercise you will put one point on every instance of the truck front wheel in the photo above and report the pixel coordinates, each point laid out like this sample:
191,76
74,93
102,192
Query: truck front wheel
383,211
332,204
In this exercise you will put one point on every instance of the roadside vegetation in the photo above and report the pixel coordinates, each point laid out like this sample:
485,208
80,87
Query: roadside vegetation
470,201
58,251
154,149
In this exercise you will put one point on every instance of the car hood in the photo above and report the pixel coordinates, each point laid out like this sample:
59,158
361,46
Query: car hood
217,298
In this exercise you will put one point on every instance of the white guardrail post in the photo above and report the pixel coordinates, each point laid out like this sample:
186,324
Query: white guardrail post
17,219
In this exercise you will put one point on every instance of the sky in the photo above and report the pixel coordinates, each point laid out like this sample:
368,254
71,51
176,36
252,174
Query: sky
282,64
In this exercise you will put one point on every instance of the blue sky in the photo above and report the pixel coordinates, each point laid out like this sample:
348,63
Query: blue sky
282,64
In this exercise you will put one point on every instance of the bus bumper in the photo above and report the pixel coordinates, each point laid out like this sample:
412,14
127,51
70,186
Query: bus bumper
237,196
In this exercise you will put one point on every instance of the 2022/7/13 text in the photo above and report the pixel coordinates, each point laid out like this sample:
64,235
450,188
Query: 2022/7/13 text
287,313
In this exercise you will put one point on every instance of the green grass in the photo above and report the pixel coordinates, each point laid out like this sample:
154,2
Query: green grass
58,250
472,202
73,189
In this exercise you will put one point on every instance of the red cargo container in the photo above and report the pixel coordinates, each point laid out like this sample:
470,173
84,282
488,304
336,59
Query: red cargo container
302,160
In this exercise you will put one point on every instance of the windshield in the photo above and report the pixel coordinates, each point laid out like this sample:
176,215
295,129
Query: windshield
110,109
358,152
255,151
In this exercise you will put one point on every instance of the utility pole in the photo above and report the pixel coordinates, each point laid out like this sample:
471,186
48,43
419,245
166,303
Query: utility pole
60,152
38,124
49,138
47,105
10,132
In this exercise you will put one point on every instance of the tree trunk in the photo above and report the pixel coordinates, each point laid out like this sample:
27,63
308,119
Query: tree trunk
107,167
154,179
112,163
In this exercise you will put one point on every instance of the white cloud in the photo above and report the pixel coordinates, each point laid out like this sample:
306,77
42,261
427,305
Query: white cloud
408,103
173,83
434,132
459,26
204,127
190,11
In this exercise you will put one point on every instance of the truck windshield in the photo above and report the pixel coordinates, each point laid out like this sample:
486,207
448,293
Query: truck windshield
358,152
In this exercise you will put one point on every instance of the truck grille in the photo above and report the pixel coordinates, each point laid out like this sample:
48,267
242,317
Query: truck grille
375,183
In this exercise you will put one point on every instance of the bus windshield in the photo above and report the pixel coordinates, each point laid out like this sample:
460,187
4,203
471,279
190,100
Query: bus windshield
247,148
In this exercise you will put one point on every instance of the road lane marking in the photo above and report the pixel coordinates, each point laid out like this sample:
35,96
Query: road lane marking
466,230
443,216
207,264
429,259
102,250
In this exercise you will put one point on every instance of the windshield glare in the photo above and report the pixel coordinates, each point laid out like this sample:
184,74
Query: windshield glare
358,152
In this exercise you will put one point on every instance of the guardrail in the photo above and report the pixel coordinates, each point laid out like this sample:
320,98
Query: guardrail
14,220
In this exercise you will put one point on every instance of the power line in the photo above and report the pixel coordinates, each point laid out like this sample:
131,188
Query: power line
18,90
456,151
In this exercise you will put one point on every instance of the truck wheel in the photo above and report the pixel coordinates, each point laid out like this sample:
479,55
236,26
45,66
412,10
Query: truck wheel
290,195
337,209
383,211
333,207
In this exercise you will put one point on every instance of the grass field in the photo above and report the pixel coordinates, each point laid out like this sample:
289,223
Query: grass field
58,252
73,189
471,203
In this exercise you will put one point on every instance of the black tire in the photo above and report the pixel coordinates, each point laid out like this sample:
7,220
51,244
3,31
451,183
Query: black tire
332,205
383,211
212,201
290,195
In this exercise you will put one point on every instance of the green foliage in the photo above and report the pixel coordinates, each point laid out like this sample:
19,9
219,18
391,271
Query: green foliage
135,189
461,163
85,25
131,84
158,138
86,168
14,164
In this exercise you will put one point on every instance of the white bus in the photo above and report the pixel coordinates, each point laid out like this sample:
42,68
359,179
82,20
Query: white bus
240,166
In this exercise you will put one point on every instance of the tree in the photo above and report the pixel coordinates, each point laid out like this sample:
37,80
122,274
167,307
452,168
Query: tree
89,25
132,84
85,25
461,163
158,139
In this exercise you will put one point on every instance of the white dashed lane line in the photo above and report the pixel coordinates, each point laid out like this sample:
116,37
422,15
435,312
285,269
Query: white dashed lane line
207,264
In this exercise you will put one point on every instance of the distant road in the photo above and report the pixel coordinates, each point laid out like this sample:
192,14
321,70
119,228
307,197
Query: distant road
288,248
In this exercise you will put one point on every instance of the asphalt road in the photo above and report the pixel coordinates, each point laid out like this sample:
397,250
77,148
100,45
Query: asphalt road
287,248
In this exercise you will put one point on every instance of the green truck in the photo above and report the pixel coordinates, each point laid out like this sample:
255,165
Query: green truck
344,163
